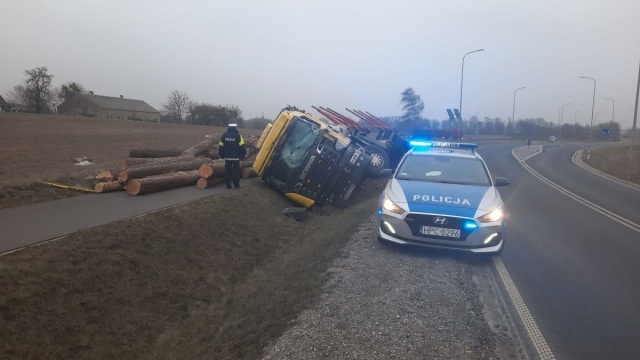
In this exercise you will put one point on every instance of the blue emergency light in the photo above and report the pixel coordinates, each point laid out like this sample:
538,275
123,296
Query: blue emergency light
442,144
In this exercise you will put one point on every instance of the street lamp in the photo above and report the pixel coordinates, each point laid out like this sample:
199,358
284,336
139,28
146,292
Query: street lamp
575,119
462,81
613,109
592,105
561,116
513,116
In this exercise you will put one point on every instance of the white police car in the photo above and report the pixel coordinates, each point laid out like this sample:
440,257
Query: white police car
442,195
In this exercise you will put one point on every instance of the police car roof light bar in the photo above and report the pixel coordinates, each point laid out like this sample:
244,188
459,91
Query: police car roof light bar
443,144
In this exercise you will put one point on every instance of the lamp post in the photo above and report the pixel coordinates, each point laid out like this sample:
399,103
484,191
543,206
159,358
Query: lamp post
633,167
613,109
561,116
575,119
513,115
592,106
462,81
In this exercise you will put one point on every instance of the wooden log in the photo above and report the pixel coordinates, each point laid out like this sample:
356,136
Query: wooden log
103,187
105,175
200,147
212,152
248,172
204,183
140,171
215,168
126,162
154,153
161,182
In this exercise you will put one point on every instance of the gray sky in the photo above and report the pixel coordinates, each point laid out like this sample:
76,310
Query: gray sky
360,54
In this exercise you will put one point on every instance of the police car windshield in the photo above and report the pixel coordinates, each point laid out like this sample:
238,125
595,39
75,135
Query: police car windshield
443,169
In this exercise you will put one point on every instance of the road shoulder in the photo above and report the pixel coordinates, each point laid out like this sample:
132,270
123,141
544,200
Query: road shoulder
387,302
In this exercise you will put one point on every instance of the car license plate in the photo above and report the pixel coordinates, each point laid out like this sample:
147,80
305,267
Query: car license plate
356,155
430,230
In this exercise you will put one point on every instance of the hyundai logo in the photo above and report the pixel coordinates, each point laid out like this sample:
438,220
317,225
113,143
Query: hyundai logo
440,220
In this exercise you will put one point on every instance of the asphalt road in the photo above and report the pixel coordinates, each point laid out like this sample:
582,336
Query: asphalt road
30,224
577,269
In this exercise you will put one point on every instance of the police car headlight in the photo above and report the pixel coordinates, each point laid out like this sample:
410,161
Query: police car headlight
496,215
389,205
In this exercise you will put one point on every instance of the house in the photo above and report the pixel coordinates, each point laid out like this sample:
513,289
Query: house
109,107
3,104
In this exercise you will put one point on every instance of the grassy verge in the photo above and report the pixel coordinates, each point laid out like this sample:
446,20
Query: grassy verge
218,278
614,161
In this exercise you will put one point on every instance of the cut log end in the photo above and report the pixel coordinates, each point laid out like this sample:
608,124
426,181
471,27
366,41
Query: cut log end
110,186
248,172
204,183
133,187
105,176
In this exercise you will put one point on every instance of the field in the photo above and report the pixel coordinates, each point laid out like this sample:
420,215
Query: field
217,278
36,148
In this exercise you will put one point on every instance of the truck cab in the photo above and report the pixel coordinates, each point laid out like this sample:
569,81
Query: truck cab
308,161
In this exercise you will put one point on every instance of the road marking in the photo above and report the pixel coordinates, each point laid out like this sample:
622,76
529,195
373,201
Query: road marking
611,215
539,343
578,161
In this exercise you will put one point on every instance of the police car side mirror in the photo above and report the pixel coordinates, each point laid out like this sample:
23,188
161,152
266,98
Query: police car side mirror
386,172
501,182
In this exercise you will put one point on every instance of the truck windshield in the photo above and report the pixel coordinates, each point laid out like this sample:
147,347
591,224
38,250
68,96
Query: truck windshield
293,152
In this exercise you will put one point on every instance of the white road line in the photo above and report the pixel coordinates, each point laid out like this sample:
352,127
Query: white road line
539,343
530,325
611,215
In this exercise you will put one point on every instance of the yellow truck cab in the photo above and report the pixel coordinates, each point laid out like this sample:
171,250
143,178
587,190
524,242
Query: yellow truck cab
308,161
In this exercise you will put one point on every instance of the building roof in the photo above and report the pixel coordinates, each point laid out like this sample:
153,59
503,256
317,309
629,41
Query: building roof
2,100
117,103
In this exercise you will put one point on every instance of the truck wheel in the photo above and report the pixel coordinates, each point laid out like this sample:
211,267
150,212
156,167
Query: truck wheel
379,160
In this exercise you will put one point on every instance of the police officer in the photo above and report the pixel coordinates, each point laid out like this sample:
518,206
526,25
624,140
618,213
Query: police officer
231,148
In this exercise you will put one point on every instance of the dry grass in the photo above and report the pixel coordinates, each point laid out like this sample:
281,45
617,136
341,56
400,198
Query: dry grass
16,195
614,161
218,278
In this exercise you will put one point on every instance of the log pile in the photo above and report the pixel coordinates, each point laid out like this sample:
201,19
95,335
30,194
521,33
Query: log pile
150,170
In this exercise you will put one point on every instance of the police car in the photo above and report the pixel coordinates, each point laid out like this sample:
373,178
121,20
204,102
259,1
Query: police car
442,195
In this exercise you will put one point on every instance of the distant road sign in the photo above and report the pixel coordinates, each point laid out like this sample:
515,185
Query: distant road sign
606,132
451,116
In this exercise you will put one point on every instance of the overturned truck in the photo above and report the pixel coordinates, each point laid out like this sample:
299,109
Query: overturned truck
313,162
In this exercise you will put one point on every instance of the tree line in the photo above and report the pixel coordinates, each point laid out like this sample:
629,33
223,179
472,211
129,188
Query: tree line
38,95
412,121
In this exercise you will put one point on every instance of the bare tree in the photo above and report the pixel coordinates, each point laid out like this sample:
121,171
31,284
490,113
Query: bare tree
177,105
39,88
18,97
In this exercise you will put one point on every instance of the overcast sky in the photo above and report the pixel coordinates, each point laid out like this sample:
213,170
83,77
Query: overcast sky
360,54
